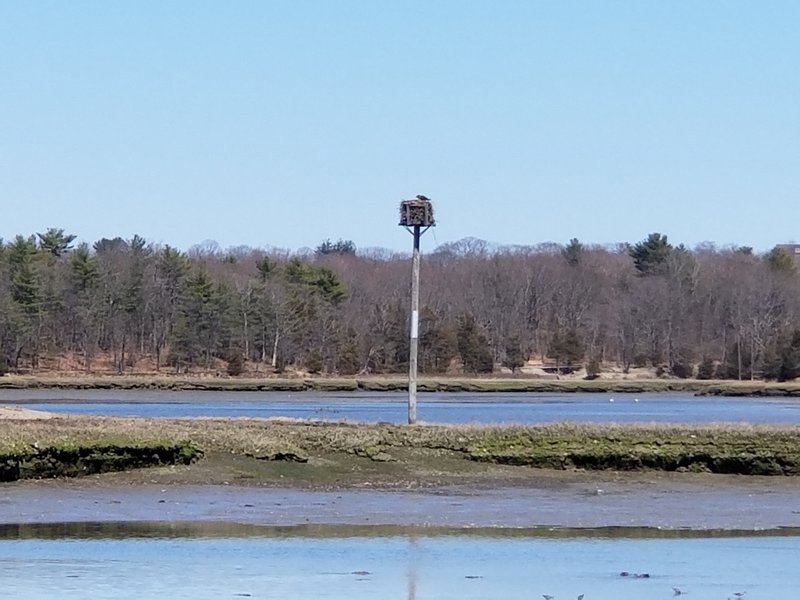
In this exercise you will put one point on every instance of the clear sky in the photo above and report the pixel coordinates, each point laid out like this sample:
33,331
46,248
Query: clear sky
282,123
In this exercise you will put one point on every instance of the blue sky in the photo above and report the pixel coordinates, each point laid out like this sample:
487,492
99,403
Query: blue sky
282,123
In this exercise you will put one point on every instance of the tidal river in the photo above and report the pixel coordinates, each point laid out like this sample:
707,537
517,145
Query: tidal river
433,407
597,536
409,566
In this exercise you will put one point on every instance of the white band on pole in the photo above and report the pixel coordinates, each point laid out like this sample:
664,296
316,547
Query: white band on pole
414,324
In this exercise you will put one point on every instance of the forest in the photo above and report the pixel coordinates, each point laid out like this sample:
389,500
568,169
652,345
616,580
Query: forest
128,305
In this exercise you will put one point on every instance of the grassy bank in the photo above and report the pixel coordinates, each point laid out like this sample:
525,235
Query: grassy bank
336,453
88,457
381,384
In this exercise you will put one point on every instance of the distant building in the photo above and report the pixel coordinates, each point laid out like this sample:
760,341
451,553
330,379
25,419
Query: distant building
792,250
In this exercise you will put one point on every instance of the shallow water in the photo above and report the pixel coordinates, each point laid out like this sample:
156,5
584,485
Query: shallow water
413,567
730,503
433,407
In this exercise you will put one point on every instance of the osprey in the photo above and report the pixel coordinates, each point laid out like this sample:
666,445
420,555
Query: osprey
423,198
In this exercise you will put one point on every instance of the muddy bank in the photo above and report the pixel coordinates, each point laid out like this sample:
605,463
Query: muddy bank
445,384
578,500
125,530
263,472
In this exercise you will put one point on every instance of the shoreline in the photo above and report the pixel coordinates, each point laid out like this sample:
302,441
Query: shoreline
625,509
397,384
316,474
335,454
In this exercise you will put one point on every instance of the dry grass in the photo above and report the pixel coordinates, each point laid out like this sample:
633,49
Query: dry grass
442,384
756,449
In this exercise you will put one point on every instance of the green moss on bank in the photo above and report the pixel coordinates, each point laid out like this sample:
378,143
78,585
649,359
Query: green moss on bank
80,445
712,450
72,460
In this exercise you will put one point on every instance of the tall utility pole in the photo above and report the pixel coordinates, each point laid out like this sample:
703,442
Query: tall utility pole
417,217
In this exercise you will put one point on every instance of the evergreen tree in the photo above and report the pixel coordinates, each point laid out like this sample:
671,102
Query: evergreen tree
25,287
737,362
573,252
782,359
593,369
514,358
565,347
437,343
313,361
107,246
83,269
780,261
348,360
339,247
25,309
55,242
196,337
473,346
318,279
706,369
650,255
235,362
81,302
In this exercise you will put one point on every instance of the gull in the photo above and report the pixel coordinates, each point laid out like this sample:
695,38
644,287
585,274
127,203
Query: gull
677,592
580,597
547,597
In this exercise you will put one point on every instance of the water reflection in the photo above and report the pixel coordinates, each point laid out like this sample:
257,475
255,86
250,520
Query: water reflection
417,566
412,569
122,530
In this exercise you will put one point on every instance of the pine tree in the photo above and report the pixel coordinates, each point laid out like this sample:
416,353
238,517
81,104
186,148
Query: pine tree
473,346
437,343
55,241
566,347
573,252
514,358
650,255
780,261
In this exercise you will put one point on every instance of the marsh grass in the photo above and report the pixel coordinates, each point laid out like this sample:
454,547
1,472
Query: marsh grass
720,448
384,384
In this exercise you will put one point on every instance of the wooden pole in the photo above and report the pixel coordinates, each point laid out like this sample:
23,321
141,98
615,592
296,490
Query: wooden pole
412,357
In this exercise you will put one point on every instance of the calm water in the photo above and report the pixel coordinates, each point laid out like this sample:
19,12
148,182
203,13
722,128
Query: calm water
433,407
408,567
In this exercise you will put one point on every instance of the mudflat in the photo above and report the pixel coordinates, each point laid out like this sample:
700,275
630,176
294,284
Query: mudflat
282,473
219,490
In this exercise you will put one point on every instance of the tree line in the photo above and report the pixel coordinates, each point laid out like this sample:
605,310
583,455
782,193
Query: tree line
706,312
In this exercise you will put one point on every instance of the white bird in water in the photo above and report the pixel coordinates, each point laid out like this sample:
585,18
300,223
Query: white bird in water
610,399
635,399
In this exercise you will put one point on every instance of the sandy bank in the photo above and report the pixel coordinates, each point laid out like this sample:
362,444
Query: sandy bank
18,413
